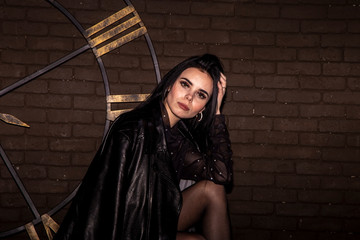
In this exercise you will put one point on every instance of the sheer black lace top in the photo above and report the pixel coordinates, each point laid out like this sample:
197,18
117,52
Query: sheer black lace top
190,163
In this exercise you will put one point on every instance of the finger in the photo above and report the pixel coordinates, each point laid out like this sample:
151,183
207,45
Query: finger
223,80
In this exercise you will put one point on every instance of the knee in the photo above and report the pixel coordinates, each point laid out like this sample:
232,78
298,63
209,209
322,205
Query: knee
213,191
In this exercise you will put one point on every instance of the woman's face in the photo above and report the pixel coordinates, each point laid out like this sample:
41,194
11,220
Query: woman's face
189,95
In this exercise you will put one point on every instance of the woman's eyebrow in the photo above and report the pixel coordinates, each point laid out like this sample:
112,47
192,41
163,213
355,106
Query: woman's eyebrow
201,90
187,80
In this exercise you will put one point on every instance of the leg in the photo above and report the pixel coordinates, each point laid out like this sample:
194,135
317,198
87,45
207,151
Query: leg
205,202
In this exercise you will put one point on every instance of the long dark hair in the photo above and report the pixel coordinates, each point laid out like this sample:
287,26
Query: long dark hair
208,63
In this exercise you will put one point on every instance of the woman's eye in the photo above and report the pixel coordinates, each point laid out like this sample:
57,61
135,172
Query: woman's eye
184,84
201,95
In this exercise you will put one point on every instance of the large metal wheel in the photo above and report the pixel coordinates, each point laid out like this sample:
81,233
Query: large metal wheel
99,46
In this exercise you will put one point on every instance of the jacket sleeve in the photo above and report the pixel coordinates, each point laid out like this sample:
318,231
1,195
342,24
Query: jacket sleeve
215,163
95,212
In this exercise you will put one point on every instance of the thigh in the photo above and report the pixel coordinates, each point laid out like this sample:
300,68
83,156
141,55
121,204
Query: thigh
193,206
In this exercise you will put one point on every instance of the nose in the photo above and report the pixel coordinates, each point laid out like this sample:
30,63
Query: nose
189,97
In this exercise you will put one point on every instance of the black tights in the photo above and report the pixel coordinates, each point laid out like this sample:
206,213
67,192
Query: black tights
205,202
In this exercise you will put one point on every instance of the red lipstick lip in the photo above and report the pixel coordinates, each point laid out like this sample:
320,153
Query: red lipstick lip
183,106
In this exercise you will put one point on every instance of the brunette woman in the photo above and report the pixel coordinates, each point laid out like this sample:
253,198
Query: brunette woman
132,187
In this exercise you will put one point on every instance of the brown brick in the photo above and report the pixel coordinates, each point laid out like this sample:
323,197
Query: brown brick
275,110
269,81
246,123
340,40
44,43
297,209
352,197
315,139
184,50
297,40
89,103
322,111
295,125
299,68
323,26
210,36
353,140
240,165
320,82
13,42
304,12
12,70
31,143
231,23
63,30
24,28
320,224
171,35
48,158
240,193
46,186
251,10
317,168
24,57
273,222
88,130
239,221
323,55
73,173
298,97
353,26
250,95
341,155
277,25
252,38
340,211
212,9
334,183
273,166
274,195
50,130
241,136
352,55
249,233
51,15
343,12
225,51
273,137
71,87
339,126
176,7
188,22
233,108
65,116
82,145
353,112
254,179
13,13
251,207
299,182
54,101
354,83
280,54
253,67
320,196
341,69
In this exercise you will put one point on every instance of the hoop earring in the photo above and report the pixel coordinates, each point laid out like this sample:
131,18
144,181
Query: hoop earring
201,117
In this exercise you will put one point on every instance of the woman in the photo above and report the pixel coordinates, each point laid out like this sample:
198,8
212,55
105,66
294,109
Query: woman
131,190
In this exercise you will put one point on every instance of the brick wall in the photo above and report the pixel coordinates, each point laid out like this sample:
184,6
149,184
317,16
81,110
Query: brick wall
293,104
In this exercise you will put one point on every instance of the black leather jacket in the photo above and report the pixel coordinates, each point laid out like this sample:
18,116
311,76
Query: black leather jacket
130,190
